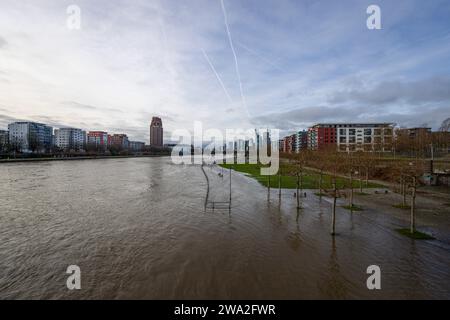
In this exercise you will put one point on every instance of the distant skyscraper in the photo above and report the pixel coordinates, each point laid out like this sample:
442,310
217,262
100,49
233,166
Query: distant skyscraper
156,132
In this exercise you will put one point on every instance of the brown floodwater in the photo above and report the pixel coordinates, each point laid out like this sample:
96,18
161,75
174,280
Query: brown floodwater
138,229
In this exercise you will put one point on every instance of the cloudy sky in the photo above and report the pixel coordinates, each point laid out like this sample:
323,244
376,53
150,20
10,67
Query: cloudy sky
231,64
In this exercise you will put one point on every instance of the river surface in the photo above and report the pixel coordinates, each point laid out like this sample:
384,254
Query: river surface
138,229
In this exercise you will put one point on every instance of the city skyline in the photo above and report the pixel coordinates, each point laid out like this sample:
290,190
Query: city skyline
232,63
225,157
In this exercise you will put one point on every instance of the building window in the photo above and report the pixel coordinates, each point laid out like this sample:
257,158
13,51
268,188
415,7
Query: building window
368,139
342,139
342,132
367,132
351,132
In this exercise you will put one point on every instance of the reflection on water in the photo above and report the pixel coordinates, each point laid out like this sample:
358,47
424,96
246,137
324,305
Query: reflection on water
138,229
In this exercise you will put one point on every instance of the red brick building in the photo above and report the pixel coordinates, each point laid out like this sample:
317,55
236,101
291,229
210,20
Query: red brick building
118,140
287,144
322,135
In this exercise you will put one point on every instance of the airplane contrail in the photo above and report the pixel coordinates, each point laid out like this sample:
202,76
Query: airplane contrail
270,62
235,57
217,76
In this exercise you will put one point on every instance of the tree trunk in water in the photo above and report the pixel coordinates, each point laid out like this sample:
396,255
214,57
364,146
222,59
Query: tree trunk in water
268,189
298,194
351,189
301,182
413,203
404,190
333,216
230,191
279,185
367,177
360,181
320,183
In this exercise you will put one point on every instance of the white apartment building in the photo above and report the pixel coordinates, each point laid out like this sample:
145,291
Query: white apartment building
30,136
4,139
70,138
376,137
301,141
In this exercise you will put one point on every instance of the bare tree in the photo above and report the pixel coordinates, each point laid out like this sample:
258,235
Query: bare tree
279,183
445,126
298,190
333,212
360,174
413,205
403,183
336,162
350,164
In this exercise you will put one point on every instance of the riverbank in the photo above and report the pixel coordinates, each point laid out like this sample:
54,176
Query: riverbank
310,178
14,160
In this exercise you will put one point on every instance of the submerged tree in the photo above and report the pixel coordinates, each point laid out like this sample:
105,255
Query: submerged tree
350,164
333,209
335,163
412,228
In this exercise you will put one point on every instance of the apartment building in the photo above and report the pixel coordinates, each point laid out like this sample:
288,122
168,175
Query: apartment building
301,141
118,140
70,139
289,143
97,139
365,137
30,136
4,139
136,146
321,135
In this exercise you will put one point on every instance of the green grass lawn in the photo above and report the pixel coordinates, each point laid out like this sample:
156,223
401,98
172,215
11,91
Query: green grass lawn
310,178
416,235
401,206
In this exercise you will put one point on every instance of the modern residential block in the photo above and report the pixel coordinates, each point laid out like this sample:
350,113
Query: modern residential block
365,137
30,136
98,139
70,139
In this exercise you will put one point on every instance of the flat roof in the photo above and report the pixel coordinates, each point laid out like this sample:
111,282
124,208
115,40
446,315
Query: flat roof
354,124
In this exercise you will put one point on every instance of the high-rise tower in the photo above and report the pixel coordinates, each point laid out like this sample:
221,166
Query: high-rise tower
156,132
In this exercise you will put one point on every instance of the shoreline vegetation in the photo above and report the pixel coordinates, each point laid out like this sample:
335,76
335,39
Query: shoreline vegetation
310,178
